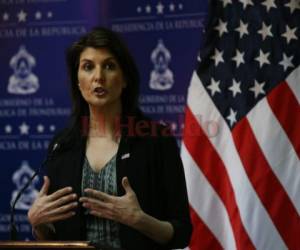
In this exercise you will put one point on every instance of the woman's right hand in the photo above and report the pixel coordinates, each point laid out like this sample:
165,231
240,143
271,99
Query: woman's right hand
54,207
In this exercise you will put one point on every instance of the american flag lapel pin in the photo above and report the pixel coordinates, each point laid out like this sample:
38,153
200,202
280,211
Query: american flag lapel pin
125,156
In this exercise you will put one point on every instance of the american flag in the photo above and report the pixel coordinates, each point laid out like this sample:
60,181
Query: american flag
241,143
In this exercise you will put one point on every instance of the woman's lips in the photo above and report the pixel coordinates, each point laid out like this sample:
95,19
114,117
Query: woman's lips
99,91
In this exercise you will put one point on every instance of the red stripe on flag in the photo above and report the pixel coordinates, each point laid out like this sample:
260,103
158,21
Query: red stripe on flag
267,186
202,237
209,162
287,111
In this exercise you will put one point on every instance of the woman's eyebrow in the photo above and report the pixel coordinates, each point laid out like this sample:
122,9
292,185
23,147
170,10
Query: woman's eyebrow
105,59
110,58
85,60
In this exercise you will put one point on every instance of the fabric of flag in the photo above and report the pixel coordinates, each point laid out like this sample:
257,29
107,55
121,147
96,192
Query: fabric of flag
241,142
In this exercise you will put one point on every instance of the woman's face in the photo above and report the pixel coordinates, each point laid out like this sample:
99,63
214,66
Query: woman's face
100,78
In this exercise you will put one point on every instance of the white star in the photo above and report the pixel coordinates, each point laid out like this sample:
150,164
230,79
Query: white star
24,129
265,31
269,4
232,117
171,7
235,88
38,15
139,9
242,29
7,129
262,58
148,9
180,6
225,2
239,58
5,16
287,61
159,8
52,128
214,87
22,16
290,34
218,57
222,27
293,5
49,14
246,3
40,128
257,88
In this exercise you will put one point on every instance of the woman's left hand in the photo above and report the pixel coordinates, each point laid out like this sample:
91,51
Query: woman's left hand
123,209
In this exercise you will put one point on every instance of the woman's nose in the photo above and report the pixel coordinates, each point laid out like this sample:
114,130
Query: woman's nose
99,76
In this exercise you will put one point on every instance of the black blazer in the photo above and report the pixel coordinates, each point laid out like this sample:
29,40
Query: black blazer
152,163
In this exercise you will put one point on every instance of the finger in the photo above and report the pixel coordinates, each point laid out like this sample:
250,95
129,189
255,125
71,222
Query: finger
63,200
102,214
45,188
62,216
63,209
99,195
95,204
126,185
59,193
96,213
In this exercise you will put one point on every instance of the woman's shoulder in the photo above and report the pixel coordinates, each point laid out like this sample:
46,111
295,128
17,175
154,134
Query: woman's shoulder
150,132
142,126
66,138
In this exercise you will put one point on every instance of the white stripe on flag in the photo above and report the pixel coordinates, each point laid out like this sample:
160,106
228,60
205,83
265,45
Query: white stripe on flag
206,202
293,81
277,149
251,209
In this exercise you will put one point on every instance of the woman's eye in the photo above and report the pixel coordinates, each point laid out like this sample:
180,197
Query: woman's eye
110,65
87,66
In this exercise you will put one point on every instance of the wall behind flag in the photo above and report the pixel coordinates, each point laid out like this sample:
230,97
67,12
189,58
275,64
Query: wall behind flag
164,37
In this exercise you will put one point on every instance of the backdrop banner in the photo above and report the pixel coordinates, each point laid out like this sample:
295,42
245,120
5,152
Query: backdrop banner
164,38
